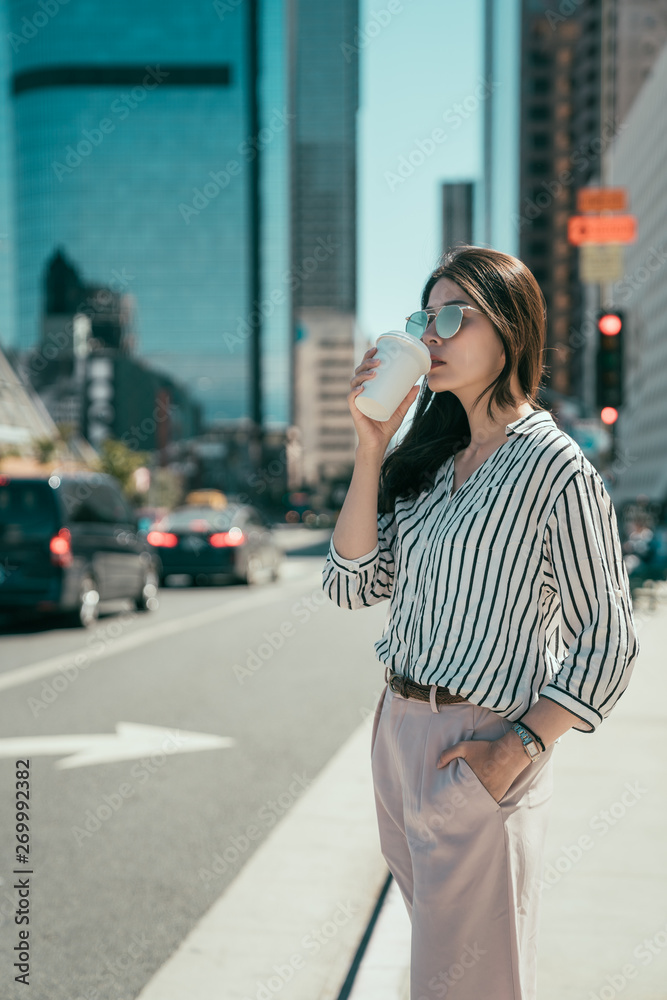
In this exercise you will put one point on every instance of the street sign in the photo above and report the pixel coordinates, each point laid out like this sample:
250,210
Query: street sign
601,229
601,200
600,262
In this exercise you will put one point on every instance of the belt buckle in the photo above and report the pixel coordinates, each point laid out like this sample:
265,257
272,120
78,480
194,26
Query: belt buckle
397,684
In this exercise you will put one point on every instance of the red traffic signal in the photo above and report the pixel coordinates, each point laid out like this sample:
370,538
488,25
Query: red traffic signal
609,415
609,363
610,324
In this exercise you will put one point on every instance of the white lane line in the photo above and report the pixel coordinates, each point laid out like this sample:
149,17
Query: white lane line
80,658
291,921
384,973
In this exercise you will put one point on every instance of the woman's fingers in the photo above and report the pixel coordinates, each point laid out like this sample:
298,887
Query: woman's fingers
365,370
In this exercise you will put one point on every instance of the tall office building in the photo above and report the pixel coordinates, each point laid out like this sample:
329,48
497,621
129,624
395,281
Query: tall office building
457,213
640,37
6,222
637,160
144,141
324,234
548,180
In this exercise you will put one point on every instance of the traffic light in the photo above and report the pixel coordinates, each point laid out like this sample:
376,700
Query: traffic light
609,390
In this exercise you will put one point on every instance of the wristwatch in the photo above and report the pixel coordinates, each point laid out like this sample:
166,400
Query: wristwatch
529,744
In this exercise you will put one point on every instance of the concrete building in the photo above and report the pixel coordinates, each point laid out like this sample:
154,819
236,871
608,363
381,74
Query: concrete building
637,162
583,67
547,177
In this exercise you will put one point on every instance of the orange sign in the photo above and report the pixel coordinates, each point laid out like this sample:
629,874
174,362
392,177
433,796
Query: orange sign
601,200
602,229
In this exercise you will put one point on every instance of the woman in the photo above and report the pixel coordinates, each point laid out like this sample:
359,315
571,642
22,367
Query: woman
510,622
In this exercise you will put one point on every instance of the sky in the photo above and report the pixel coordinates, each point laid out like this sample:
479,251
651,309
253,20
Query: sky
418,58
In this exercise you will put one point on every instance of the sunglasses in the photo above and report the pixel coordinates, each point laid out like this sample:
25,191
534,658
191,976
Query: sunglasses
448,320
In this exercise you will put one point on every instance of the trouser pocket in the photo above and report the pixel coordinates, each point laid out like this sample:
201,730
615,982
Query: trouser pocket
376,718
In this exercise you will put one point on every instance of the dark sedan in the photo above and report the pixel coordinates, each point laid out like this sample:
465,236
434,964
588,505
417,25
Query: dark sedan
234,544
68,543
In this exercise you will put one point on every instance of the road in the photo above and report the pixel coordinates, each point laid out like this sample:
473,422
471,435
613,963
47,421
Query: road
133,837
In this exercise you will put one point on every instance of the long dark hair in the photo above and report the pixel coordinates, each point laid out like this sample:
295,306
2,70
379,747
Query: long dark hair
509,295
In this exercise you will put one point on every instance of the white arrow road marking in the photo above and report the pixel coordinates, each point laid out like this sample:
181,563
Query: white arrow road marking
131,740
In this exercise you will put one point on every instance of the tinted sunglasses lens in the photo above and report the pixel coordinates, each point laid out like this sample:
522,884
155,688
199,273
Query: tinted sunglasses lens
448,321
417,323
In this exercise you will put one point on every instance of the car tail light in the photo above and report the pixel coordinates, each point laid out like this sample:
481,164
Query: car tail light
227,539
162,539
60,548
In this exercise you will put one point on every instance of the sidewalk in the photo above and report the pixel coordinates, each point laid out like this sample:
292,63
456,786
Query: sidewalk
604,906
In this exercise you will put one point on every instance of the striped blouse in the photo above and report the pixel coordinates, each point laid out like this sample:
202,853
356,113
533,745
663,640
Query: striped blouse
512,588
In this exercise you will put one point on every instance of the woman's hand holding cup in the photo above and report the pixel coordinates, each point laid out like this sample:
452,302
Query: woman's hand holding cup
375,435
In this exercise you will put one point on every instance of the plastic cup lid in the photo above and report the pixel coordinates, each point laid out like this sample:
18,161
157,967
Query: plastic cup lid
408,339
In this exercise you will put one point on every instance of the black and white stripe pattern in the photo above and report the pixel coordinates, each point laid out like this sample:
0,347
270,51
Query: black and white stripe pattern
512,588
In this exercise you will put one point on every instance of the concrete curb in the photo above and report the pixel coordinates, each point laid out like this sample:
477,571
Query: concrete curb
289,925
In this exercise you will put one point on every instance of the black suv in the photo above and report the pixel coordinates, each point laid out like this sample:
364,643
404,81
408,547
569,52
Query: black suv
69,542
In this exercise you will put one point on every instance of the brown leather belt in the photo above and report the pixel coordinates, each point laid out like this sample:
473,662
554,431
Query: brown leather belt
408,688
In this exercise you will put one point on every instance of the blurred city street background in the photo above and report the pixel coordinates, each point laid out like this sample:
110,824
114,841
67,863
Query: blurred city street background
208,213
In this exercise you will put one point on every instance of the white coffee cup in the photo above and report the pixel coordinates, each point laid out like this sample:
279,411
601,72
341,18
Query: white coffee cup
403,359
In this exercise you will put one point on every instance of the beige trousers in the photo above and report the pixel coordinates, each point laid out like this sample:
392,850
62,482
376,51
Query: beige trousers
469,868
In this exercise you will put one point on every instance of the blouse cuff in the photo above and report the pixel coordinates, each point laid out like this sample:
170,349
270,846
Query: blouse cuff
352,565
590,716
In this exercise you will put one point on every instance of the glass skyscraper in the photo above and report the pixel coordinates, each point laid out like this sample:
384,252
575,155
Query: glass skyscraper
134,146
6,222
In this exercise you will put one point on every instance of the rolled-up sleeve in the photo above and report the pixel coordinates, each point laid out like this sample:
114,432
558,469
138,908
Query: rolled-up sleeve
585,567
359,583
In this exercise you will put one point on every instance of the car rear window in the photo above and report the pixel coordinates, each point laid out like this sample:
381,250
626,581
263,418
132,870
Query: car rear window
26,510
199,520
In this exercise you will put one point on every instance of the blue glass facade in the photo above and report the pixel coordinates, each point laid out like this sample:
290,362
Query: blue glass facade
140,172
6,218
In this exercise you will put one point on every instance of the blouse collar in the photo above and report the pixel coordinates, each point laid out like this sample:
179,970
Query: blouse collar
530,422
